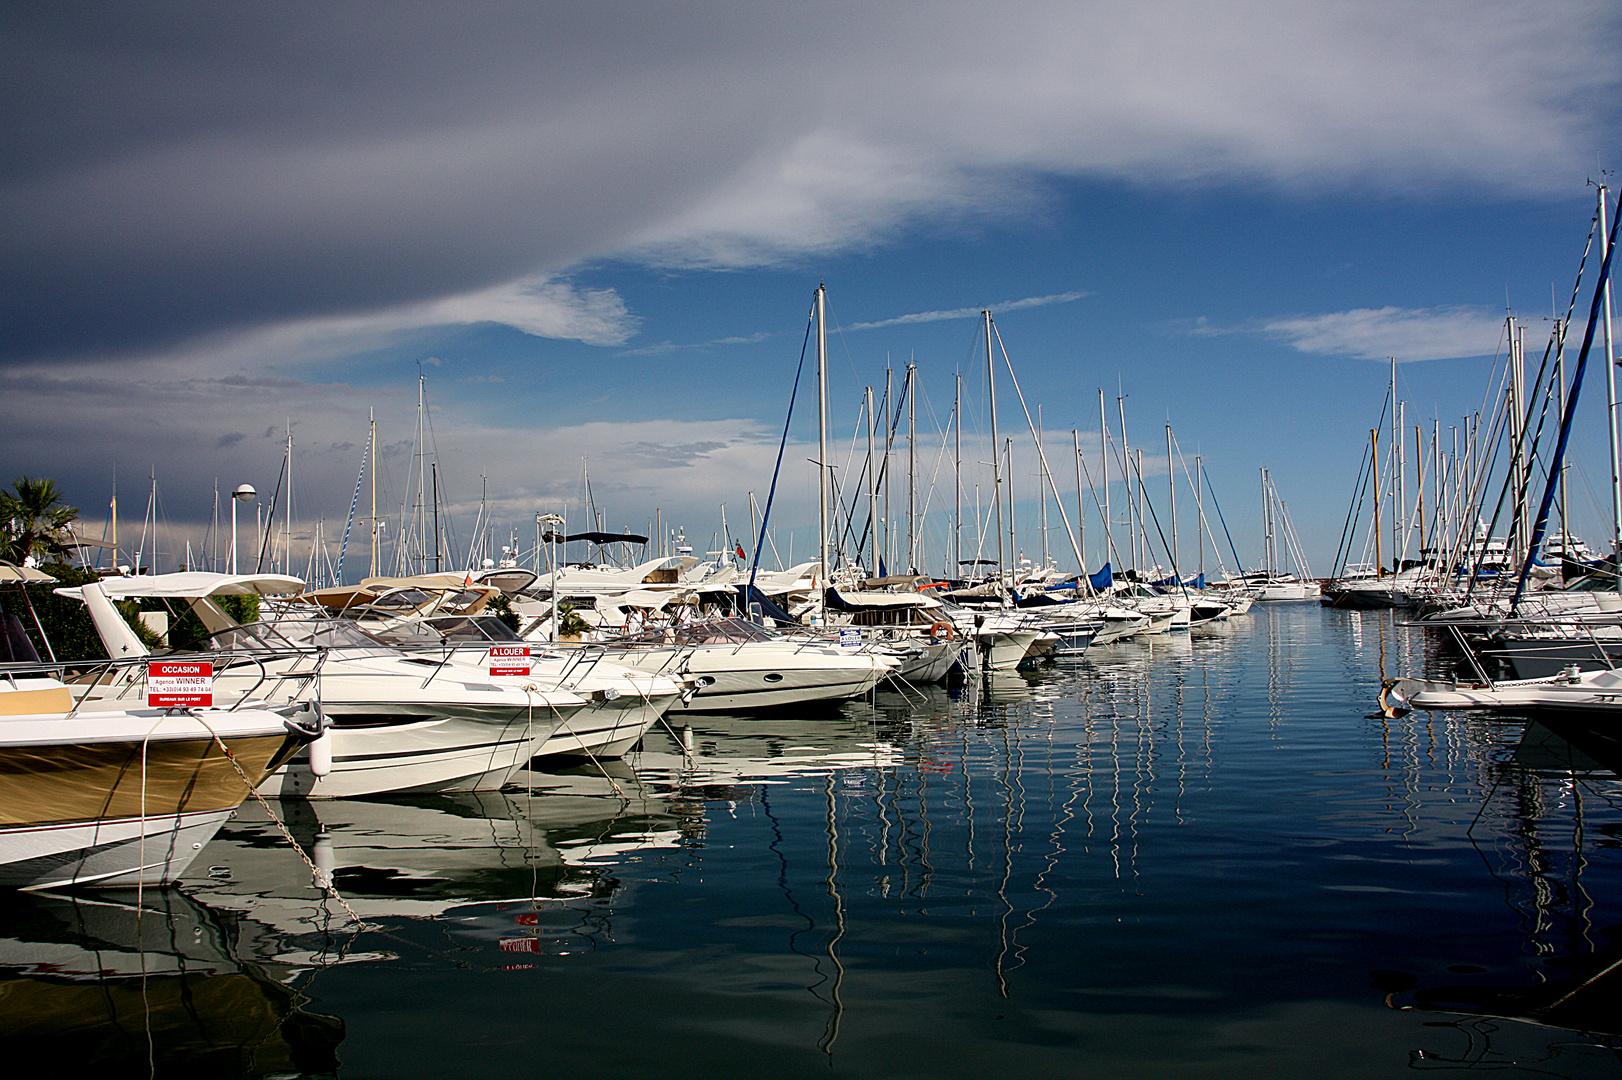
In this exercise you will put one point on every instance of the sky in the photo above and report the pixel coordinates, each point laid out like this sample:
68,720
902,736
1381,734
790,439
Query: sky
594,231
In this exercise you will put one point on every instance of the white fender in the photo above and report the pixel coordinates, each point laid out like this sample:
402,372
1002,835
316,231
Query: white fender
323,856
321,754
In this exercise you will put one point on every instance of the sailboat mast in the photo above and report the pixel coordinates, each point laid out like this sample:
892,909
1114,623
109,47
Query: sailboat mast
1042,485
1081,510
1399,495
1516,407
1126,478
822,448
909,391
1199,505
421,519
1419,486
287,511
872,491
1008,475
1396,451
1374,450
889,404
1103,473
1143,524
1610,400
957,477
1171,482
996,455
372,425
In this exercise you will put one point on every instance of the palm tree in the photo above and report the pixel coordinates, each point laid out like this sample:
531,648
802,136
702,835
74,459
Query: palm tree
33,519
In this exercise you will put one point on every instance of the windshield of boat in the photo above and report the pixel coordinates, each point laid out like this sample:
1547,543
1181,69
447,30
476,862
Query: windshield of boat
727,631
448,629
286,635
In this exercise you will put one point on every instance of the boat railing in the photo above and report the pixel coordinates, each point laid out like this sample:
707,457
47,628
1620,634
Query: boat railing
129,675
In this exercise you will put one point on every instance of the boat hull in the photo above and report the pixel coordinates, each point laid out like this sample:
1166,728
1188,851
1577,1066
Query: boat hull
124,812
120,852
607,728
375,754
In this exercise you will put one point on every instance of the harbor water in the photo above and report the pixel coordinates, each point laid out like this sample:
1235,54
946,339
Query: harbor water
1203,855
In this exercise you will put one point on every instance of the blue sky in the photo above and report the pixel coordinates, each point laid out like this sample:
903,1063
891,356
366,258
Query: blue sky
597,232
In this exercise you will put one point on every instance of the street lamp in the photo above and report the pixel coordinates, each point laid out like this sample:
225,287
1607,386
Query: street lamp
551,537
243,494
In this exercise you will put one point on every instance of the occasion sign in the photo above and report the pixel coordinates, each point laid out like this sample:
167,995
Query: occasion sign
509,659
174,684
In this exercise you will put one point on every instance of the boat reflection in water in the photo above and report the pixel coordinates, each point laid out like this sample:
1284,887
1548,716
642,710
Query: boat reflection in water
1571,971
458,860
115,986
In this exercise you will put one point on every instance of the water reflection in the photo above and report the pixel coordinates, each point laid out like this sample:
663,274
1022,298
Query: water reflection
1185,857
1547,834
120,986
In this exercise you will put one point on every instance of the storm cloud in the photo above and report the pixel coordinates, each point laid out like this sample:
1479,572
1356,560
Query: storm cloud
177,170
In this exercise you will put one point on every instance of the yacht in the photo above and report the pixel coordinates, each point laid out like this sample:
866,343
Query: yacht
127,796
398,721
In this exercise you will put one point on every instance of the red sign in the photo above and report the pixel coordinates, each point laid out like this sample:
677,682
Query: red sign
174,684
519,944
509,659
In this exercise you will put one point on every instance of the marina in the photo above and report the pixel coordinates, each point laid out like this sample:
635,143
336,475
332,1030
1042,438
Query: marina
638,540
1196,854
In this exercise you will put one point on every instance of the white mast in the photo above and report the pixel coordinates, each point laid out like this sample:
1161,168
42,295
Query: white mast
996,451
1126,478
889,550
872,491
822,450
1081,510
957,478
372,416
909,391
1610,399
1171,483
1042,490
1103,474
1517,407
1199,503
1008,474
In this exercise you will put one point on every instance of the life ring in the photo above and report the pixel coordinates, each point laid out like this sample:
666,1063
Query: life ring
942,630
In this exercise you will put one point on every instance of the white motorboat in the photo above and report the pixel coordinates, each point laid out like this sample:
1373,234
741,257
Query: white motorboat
1592,694
123,797
1006,637
622,702
735,664
399,722
444,615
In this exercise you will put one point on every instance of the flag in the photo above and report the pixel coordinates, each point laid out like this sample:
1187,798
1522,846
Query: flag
741,555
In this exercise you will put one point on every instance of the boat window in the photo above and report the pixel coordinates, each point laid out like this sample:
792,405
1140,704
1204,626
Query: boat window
471,629
401,600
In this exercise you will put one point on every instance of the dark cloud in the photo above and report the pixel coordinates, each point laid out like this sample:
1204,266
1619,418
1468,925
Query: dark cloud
228,439
175,170
171,170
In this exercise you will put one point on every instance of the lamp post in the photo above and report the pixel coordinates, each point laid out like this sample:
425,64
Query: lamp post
243,494
550,537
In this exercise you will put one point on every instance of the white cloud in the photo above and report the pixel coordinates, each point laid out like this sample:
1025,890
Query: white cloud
1404,333
971,312
544,308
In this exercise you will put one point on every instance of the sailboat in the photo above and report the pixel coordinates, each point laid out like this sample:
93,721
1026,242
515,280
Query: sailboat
1275,581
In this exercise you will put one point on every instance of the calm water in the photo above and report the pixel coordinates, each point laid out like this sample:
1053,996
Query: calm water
1200,857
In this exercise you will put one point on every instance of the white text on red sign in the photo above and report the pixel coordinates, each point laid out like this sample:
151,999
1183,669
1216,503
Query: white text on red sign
509,659
172,684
